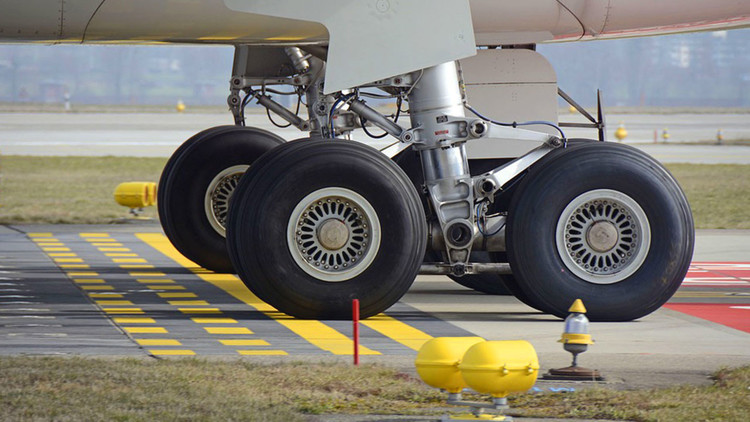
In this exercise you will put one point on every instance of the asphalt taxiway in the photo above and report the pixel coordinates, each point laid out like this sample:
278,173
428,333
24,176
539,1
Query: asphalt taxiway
123,290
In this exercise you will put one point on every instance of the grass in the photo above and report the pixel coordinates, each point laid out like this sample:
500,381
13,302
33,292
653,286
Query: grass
79,189
76,190
66,389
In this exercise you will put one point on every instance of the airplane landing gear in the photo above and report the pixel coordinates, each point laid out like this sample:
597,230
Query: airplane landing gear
196,185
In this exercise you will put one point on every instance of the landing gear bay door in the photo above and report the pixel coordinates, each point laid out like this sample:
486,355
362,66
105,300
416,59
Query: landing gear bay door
413,34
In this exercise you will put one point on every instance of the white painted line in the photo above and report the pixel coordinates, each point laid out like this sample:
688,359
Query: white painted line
739,307
36,334
29,316
31,325
20,302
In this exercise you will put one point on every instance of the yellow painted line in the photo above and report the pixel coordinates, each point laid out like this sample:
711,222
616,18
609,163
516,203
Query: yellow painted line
114,244
146,274
134,320
172,352
135,266
129,260
176,295
199,310
63,255
114,249
123,310
93,234
114,303
315,332
262,352
154,280
39,234
163,287
88,280
118,254
158,342
105,295
69,260
145,330
188,302
83,274
74,266
46,245
244,342
56,249
397,330
227,330
95,287
214,320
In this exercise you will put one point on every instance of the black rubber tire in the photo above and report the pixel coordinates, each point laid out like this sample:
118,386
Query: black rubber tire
491,284
184,181
558,179
265,201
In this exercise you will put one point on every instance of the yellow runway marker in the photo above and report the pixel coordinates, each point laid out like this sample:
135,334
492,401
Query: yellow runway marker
48,245
199,310
63,255
154,280
75,266
146,274
165,287
188,302
114,249
145,330
244,342
108,245
134,320
69,260
123,310
119,254
135,266
56,249
114,303
88,280
83,274
105,295
227,330
129,260
397,330
94,234
158,342
170,352
176,295
39,234
96,287
214,320
262,352
315,332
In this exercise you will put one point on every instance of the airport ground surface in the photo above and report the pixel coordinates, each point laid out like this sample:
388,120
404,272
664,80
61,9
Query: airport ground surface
159,134
123,290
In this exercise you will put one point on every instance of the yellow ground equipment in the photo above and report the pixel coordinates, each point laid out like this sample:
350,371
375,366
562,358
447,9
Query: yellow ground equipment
496,368
136,195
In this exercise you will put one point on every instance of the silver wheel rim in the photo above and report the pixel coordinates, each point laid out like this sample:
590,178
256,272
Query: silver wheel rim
603,236
218,194
333,234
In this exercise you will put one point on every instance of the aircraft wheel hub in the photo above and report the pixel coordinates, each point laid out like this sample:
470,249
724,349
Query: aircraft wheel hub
334,234
603,236
218,194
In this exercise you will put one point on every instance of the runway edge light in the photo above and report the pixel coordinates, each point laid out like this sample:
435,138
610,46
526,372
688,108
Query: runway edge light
576,340
488,367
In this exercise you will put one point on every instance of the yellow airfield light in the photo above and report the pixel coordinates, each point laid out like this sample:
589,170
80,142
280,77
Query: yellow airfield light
438,361
498,368
621,133
135,195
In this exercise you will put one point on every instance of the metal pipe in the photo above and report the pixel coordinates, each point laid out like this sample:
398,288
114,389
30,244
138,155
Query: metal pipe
471,268
376,118
282,111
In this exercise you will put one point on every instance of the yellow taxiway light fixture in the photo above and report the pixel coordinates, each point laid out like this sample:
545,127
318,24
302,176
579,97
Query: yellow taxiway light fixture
576,340
621,133
180,106
496,368
719,136
136,195
665,134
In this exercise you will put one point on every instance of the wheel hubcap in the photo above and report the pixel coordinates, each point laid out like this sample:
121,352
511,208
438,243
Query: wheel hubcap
218,194
603,236
333,234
